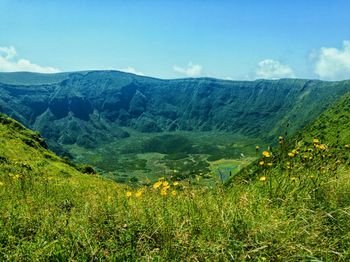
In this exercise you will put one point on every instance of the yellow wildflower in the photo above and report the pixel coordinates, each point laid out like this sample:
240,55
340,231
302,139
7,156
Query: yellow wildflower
257,148
261,163
312,176
175,183
280,138
1,183
173,193
291,154
139,193
266,154
316,141
128,194
163,192
289,166
293,178
165,183
322,147
269,164
263,178
347,146
16,177
157,184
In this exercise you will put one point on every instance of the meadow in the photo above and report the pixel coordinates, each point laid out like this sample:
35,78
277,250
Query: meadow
292,209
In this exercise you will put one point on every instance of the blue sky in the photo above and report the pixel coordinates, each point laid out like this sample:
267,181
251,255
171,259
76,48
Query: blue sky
170,39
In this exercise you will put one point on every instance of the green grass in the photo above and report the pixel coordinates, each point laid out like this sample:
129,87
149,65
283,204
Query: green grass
296,209
58,219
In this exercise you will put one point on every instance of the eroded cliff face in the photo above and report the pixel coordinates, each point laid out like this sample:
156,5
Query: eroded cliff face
86,108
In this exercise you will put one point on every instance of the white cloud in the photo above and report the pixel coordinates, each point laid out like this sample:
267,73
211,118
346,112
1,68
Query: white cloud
131,70
272,69
10,52
10,63
333,63
192,70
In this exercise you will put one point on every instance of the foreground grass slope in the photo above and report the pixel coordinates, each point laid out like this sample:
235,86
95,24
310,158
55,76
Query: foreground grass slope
51,211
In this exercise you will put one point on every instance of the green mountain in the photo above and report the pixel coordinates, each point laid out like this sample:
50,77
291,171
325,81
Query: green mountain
85,107
119,121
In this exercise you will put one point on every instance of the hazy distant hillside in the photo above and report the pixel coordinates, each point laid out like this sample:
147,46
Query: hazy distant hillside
85,108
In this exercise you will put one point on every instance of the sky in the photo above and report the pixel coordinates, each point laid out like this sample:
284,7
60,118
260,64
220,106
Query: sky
236,39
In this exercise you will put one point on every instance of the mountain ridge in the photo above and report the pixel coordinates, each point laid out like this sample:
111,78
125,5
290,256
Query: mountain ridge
88,107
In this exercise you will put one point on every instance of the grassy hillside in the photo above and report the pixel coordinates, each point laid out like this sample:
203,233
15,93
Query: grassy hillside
51,211
333,126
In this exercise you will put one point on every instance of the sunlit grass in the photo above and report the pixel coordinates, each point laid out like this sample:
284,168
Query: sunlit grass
86,217
292,207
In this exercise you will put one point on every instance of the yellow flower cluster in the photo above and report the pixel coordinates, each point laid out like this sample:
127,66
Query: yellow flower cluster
321,147
293,153
164,187
15,176
137,194
264,161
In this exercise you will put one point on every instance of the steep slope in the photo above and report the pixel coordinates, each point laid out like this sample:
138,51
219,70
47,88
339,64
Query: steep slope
86,108
333,126
24,157
321,148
